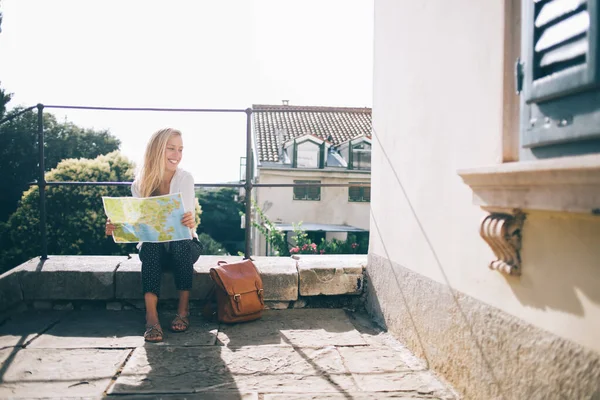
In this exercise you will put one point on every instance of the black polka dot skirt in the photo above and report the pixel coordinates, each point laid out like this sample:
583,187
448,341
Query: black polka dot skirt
174,256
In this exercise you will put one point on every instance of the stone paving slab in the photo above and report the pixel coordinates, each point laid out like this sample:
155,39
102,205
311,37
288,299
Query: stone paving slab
423,383
69,277
299,354
153,369
270,369
387,359
120,329
346,395
301,327
20,329
200,332
222,395
35,373
98,329
375,337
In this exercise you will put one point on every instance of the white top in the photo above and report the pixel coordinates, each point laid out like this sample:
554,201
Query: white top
182,182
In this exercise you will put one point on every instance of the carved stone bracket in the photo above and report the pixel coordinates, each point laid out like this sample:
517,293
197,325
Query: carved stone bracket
502,232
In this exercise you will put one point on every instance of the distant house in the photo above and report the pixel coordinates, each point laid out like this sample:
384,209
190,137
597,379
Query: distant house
328,145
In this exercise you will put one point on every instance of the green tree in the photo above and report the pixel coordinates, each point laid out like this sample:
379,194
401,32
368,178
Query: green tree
19,151
75,214
4,99
221,218
211,246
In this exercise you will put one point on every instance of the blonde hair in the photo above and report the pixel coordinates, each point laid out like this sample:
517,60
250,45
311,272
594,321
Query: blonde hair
153,168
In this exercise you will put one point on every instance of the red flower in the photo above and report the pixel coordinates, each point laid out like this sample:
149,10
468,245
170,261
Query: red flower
322,251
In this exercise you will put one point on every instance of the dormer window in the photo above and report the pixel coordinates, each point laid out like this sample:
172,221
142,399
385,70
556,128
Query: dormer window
361,156
357,153
307,154
306,151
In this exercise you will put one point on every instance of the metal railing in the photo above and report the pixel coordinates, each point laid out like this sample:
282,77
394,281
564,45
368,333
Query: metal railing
248,184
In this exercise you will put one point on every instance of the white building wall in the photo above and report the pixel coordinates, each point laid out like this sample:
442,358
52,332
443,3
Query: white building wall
438,103
333,208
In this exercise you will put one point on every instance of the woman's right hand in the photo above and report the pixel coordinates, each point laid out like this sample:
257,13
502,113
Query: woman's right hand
110,228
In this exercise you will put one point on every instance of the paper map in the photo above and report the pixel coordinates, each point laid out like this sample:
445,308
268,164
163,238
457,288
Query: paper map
150,219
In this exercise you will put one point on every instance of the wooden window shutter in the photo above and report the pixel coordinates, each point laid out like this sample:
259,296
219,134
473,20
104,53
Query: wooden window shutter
307,192
299,191
354,193
359,193
367,193
561,74
322,155
314,193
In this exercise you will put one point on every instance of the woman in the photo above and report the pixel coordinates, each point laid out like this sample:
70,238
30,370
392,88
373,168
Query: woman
158,176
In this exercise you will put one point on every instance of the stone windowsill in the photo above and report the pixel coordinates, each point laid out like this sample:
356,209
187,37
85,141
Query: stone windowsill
569,184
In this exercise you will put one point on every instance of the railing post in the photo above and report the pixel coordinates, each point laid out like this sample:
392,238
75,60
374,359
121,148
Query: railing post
42,182
248,184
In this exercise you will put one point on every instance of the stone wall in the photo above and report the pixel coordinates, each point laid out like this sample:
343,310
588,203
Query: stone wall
482,351
114,282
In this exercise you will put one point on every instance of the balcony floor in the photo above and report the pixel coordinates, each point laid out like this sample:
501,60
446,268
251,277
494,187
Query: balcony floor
288,354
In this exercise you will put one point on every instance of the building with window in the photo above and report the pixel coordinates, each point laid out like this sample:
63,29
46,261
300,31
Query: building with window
489,265
308,145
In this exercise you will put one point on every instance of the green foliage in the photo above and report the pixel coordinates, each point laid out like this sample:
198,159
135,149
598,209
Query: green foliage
19,150
4,99
276,239
221,218
210,246
75,214
354,244
303,243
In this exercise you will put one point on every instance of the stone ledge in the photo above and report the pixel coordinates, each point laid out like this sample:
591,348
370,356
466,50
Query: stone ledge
69,277
331,274
128,279
118,278
279,276
10,290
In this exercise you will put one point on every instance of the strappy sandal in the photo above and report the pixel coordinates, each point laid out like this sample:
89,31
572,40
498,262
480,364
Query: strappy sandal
153,333
184,320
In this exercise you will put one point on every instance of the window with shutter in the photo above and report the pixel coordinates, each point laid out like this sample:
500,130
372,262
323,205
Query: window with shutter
359,193
307,192
561,80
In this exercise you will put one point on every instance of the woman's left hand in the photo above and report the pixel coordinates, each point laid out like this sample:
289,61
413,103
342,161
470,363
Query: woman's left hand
188,220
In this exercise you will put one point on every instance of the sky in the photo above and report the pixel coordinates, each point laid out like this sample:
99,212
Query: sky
185,54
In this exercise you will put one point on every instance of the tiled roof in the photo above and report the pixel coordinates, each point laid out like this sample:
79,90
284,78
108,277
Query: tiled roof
339,124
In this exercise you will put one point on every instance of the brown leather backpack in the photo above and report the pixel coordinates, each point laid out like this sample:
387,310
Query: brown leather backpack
239,291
